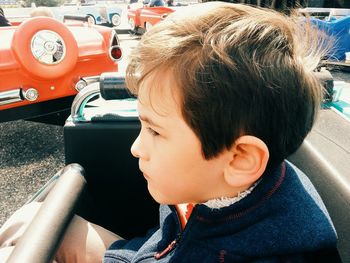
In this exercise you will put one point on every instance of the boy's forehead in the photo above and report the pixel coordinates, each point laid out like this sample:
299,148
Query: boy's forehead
159,91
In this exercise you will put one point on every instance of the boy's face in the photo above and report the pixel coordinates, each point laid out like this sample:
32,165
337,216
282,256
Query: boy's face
169,152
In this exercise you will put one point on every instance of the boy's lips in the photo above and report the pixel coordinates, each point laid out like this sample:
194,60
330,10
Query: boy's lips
143,172
145,175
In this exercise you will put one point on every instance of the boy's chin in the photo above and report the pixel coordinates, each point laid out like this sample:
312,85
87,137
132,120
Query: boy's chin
161,199
156,197
166,199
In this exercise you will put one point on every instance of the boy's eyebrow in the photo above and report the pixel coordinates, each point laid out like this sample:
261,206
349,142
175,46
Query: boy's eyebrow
149,121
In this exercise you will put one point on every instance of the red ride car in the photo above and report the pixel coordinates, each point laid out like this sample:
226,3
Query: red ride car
44,63
144,17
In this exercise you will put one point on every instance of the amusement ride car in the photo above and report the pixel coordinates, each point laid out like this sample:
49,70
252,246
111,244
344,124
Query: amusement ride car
99,13
143,17
45,62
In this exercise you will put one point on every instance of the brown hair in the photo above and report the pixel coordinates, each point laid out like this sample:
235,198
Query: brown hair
240,71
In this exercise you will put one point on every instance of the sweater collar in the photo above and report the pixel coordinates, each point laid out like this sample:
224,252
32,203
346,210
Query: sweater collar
227,201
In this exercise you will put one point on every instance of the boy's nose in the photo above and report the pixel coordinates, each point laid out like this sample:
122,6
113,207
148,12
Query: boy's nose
136,149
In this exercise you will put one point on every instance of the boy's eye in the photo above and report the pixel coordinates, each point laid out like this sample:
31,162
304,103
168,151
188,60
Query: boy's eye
152,132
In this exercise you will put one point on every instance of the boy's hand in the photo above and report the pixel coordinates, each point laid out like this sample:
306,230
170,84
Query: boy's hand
15,226
83,241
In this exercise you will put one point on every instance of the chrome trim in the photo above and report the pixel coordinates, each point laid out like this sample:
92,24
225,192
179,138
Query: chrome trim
82,98
48,47
10,96
30,94
80,85
92,79
114,37
84,81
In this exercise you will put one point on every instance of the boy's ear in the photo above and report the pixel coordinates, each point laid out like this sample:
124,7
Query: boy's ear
248,160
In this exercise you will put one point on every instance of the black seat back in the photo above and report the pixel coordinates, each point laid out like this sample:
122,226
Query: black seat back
325,159
117,196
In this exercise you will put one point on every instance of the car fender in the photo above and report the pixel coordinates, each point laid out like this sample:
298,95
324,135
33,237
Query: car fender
153,15
135,14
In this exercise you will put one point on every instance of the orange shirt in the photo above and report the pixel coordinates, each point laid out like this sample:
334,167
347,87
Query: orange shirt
184,212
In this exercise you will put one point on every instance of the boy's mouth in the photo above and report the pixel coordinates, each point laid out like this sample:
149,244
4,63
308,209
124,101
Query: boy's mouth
145,175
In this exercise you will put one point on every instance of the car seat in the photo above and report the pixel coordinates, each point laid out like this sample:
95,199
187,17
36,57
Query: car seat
325,158
117,196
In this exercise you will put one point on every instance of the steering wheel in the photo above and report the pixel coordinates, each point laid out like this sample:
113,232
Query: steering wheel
42,238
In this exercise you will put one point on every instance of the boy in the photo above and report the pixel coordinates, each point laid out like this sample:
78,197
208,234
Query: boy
225,94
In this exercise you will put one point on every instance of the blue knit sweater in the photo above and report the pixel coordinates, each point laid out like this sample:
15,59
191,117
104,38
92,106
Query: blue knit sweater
282,220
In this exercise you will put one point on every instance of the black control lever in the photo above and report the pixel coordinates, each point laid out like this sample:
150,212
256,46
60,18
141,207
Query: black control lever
112,86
